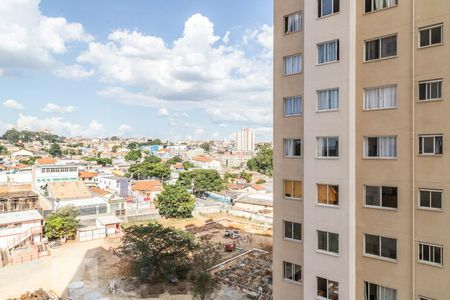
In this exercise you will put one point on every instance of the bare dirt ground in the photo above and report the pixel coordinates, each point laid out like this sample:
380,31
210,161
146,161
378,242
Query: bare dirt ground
94,264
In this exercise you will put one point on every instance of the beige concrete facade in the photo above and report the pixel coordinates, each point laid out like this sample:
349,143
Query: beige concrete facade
409,223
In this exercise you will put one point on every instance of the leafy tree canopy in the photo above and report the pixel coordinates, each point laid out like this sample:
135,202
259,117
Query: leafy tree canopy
175,202
187,165
62,223
156,252
55,150
133,155
13,136
206,146
133,146
152,159
174,160
262,162
202,180
147,170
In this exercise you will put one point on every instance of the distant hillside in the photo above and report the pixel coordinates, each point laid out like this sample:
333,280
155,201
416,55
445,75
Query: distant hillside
13,136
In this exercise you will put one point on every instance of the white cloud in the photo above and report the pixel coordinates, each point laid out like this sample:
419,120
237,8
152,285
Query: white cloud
226,37
58,126
199,71
13,104
124,127
74,72
55,108
164,112
29,39
199,131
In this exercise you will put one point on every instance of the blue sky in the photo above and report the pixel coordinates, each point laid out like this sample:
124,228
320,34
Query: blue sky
174,69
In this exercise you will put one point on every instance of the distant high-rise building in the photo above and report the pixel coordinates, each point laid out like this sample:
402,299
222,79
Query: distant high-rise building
245,140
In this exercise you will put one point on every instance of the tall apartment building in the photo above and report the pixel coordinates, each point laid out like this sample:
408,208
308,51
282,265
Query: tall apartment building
361,152
245,140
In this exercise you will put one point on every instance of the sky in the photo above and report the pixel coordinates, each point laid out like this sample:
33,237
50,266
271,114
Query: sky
175,69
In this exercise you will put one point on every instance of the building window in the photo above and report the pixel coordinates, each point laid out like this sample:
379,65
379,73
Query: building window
292,64
374,5
381,147
327,146
377,292
328,241
381,196
430,199
431,254
328,99
431,35
292,230
292,272
380,98
293,189
381,48
327,289
328,52
430,144
328,7
425,298
293,23
328,194
292,147
292,106
430,90
380,246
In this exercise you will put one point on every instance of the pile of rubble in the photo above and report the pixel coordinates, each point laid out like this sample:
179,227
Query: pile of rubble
39,294
252,272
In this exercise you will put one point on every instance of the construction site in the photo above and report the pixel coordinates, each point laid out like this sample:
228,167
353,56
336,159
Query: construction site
95,272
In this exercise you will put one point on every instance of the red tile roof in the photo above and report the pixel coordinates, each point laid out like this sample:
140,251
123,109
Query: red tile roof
147,185
88,174
46,161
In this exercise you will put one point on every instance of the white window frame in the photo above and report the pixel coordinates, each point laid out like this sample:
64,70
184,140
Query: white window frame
292,192
379,289
434,136
429,29
380,248
379,91
366,149
300,22
293,156
292,98
326,145
292,228
293,272
332,9
336,53
380,190
328,288
430,191
427,90
380,47
375,10
327,91
328,193
327,250
432,254
300,56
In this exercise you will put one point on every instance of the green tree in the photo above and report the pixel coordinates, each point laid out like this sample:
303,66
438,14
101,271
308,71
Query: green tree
187,165
206,146
152,159
156,252
3,150
147,170
262,162
62,223
174,160
206,255
203,286
246,176
133,146
114,148
175,202
202,180
30,161
133,155
261,181
55,150
104,161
